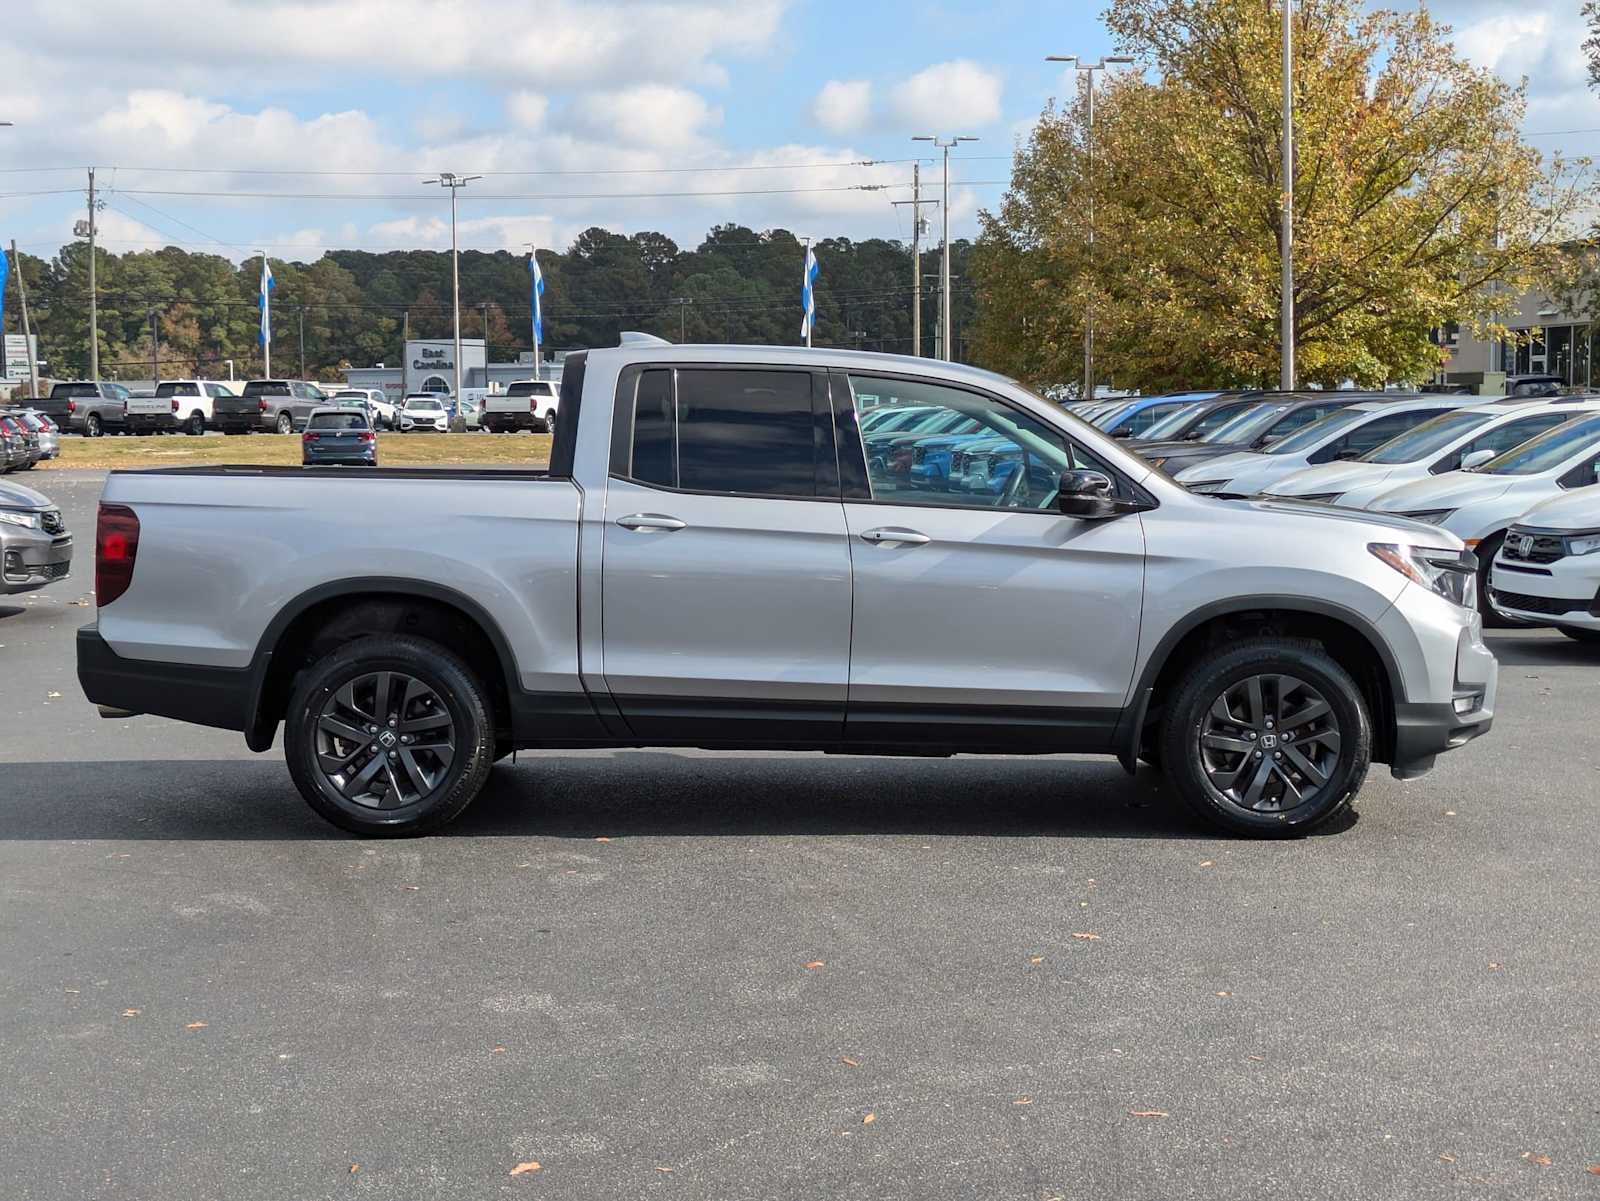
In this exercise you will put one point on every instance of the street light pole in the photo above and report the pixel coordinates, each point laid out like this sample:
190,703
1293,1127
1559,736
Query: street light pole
1087,70
448,179
944,265
916,202
1286,282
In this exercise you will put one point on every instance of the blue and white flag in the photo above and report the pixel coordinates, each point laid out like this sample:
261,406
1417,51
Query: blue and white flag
808,296
5,269
538,302
264,300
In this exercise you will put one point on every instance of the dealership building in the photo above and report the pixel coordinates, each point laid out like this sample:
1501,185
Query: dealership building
1546,338
430,366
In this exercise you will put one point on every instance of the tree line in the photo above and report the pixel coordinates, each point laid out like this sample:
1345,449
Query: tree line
194,311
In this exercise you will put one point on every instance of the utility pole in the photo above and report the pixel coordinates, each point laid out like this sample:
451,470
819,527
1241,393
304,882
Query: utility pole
27,336
1286,283
155,348
94,314
917,226
447,179
683,303
302,341
1087,70
944,265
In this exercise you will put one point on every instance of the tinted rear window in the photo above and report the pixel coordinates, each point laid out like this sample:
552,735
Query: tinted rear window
338,421
177,388
267,387
70,390
746,431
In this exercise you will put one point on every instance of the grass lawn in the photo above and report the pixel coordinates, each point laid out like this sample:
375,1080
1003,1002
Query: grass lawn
394,450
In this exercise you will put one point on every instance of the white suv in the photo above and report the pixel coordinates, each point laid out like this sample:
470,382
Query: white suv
1548,568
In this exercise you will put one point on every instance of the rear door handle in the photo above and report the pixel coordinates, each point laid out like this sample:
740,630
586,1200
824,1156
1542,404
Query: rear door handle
650,521
889,533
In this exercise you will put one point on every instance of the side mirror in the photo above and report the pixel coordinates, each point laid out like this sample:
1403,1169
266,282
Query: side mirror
1086,494
1475,459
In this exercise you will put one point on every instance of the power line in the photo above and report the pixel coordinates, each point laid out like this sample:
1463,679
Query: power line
413,197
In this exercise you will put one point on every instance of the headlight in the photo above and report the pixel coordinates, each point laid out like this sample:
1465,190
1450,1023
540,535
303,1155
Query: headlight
1586,545
1450,573
1431,516
29,521
1210,486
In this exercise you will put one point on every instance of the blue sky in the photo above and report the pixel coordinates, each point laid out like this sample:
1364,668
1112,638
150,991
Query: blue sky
310,123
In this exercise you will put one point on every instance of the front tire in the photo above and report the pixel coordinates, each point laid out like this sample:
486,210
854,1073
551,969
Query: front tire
389,736
1269,737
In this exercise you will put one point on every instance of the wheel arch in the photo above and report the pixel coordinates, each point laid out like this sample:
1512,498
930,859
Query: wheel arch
1353,642
330,614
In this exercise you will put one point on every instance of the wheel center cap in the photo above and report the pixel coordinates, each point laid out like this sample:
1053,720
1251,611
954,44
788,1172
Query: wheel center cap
1268,741
387,738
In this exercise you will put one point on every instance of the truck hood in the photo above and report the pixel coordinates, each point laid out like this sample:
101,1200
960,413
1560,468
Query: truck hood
1223,467
1330,477
1404,529
16,496
1450,490
1575,510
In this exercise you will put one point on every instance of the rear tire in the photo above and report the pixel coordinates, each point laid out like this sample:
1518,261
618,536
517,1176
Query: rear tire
196,425
412,789
1250,695
1581,634
93,427
285,423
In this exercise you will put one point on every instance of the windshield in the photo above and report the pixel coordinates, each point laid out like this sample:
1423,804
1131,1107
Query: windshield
1183,421
1423,440
1248,424
1548,450
1318,432
423,404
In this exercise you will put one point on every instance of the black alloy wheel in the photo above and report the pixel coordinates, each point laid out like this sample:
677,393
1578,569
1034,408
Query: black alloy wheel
196,424
1269,743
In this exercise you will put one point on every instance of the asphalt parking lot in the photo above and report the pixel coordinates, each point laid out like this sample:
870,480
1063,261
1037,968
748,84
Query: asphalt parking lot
713,976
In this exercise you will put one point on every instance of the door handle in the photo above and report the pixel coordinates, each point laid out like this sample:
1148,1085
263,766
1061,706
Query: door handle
889,533
650,521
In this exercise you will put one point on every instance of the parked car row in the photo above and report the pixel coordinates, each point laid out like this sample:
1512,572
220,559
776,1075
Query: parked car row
27,438
1513,477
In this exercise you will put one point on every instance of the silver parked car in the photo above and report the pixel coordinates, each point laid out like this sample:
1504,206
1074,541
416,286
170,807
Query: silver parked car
35,548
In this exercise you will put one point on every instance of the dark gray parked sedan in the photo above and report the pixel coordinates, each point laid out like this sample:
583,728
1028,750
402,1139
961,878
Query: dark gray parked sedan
339,435
35,548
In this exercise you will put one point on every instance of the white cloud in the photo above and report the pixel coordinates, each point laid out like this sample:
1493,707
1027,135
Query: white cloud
946,96
527,109
843,106
653,115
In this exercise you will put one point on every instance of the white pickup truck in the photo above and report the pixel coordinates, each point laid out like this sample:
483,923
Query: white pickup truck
717,556
527,404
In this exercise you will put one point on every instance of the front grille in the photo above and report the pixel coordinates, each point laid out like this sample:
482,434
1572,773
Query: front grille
1533,548
919,454
54,571
51,522
1552,605
958,461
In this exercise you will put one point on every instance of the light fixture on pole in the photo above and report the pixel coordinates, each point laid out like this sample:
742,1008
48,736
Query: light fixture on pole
944,265
1087,70
448,179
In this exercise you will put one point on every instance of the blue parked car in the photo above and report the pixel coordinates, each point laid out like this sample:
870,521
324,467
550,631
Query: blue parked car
1132,419
931,457
339,436
891,451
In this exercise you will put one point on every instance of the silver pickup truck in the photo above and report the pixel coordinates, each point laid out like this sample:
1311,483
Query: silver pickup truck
719,556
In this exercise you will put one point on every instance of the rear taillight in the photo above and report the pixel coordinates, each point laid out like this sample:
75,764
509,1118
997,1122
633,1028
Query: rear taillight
72,406
174,404
124,408
310,436
261,406
368,436
116,546
533,405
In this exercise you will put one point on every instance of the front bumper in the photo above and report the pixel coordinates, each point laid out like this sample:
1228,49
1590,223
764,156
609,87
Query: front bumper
1564,593
31,559
1451,680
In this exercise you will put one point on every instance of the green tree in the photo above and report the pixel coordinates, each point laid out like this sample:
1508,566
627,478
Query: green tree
1416,203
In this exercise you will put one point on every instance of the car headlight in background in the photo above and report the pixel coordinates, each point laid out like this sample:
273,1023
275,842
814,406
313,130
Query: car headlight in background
31,521
1431,516
1451,574
1584,544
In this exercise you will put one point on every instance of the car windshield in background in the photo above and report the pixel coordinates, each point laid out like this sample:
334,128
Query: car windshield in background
424,405
1423,440
1548,450
1248,424
1319,431
338,421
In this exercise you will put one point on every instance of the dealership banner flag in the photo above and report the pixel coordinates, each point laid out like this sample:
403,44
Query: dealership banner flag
267,284
5,269
808,296
537,281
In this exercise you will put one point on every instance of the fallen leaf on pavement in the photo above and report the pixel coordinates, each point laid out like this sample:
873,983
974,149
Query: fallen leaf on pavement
848,1062
131,1013
663,1169
195,1026
1036,959
1542,1160
1148,1113
1088,937
410,887
1449,812
602,840
869,1119
1447,1158
532,1165
497,1051
1494,967
1224,994
55,696
354,1168
1593,1169
1208,863
1023,1101
814,965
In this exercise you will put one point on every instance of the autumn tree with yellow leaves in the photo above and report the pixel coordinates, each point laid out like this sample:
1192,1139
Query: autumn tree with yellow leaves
1416,203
